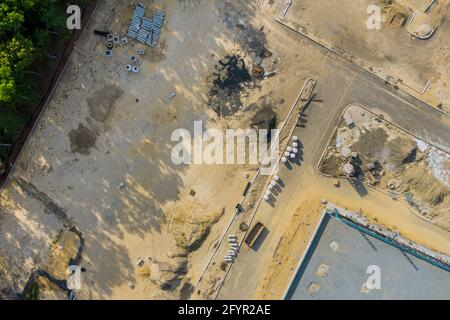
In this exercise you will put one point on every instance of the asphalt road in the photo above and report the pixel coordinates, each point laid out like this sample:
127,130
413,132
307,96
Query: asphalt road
343,84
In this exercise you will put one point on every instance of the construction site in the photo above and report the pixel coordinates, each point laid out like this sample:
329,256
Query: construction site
363,126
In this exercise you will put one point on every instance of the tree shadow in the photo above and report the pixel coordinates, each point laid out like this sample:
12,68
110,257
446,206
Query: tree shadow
135,154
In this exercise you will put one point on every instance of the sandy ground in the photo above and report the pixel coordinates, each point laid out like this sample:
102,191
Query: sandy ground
105,128
391,48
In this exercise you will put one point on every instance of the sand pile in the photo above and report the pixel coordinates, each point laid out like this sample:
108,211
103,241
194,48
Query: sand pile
422,182
403,151
167,276
191,229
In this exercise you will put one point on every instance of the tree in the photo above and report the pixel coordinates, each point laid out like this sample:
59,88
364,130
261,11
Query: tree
16,56
10,18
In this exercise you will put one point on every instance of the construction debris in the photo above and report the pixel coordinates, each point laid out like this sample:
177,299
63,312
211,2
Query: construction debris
377,154
146,31
227,82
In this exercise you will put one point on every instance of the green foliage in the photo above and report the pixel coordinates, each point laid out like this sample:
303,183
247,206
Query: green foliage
16,56
53,19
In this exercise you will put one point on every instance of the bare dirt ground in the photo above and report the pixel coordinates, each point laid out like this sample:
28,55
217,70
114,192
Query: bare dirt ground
393,161
99,159
391,48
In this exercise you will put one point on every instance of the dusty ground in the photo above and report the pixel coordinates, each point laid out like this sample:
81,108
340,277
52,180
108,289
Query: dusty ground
392,48
294,240
100,157
404,167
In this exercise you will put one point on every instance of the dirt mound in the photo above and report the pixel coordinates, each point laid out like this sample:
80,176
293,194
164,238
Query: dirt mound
265,118
190,230
403,151
82,139
371,143
395,162
332,164
168,276
425,184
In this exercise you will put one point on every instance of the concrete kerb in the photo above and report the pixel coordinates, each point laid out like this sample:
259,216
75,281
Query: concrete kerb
397,83
359,181
50,96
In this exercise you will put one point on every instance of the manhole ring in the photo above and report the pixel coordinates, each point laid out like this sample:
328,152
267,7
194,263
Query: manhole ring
243,226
